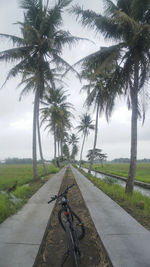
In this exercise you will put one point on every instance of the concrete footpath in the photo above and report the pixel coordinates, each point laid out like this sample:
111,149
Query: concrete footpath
125,240
22,233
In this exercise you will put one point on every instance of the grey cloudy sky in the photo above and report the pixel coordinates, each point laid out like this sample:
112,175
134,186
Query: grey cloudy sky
16,117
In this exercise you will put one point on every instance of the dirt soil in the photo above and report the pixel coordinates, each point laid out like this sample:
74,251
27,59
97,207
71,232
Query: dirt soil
54,244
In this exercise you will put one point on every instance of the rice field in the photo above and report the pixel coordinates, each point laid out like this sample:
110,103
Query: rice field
22,173
12,200
142,170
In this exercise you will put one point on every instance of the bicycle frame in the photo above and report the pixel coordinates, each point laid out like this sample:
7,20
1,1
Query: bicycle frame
72,232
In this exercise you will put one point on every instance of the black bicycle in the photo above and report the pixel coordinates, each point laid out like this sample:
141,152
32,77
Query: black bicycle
72,225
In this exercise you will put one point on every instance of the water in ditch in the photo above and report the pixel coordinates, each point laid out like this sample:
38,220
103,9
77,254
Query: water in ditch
144,191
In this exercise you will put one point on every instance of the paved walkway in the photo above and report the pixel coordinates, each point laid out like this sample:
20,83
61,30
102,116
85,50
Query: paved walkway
125,240
22,233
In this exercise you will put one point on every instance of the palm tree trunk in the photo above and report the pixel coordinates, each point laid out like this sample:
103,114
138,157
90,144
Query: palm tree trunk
40,146
58,165
58,148
133,155
61,147
82,150
34,149
95,140
54,146
38,96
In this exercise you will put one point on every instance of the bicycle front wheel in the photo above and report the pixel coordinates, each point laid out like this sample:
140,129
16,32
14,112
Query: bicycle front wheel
73,252
75,221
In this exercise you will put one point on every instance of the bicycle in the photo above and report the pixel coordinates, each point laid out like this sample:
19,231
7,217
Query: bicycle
72,225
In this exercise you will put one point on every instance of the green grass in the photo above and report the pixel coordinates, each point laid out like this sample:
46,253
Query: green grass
142,170
26,186
22,173
138,205
6,208
22,192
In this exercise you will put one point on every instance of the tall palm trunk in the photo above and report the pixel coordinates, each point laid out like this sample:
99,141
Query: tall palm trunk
82,149
57,161
95,140
133,155
40,90
34,148
61,146
58,144
54,145
40,146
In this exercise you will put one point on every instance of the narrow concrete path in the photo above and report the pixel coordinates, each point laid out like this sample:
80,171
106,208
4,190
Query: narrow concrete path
125,240
22,233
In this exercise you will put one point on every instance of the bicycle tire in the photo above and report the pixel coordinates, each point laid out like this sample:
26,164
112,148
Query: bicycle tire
76,221
71,246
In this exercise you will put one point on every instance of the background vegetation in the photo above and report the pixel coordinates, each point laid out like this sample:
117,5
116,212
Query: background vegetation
121,169
17,186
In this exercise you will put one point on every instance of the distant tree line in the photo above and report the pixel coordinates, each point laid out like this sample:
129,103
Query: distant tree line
29,161
126,160
17,161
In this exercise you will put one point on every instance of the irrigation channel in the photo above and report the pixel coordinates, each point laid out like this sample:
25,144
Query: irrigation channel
144,191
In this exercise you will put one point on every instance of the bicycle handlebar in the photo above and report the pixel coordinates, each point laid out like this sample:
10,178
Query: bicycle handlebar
64,193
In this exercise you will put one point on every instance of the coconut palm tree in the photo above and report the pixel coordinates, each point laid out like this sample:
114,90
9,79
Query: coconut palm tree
99,156
73,140
29,83
56,114
66,151
102,97
39,47
85,126
74,152
128,23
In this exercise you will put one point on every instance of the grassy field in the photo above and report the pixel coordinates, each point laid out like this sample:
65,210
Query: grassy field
26,187
142,170
22,173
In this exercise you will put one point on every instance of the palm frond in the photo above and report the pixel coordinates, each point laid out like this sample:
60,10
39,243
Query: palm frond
63,3
59,60
139,9
109,7
27,89
85,17
14,39
126,22
102,61
97,22
65,38
14,71
33,10
14,54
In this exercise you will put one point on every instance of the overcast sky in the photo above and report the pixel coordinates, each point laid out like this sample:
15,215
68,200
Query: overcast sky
16,117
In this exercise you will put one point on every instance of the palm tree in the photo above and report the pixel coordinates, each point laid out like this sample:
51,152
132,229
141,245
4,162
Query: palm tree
97,156
126,22
29,79
101,95
56,114
74,152
85,126
66,151
39,48
73,140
